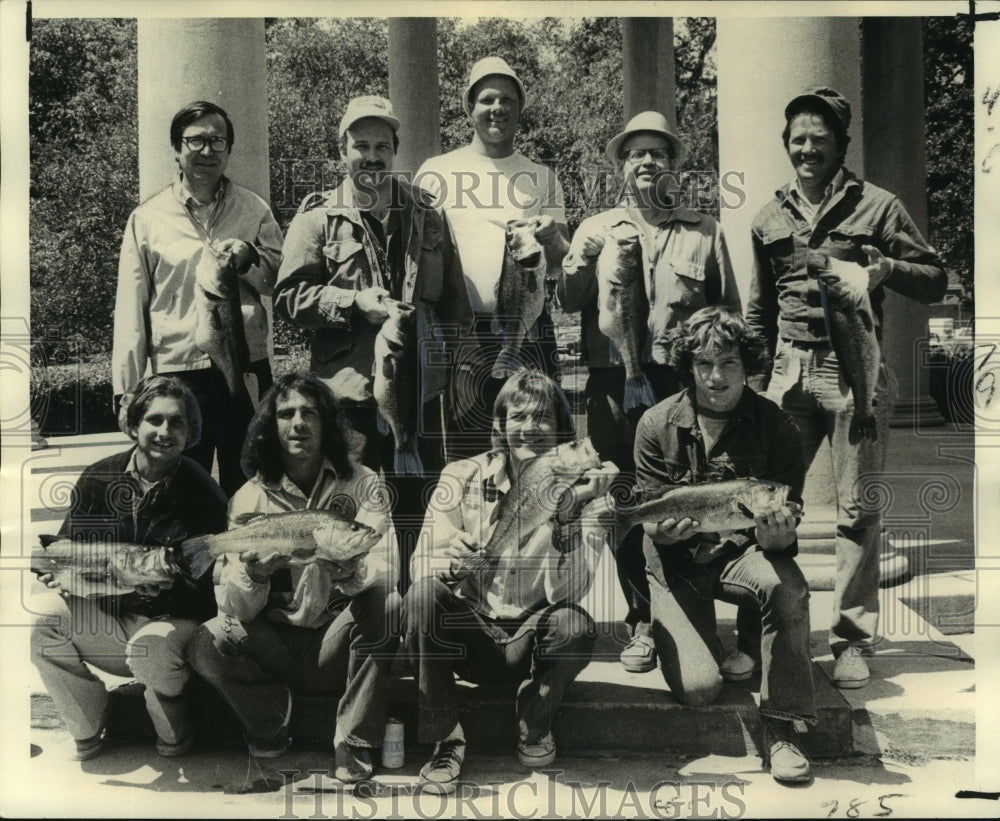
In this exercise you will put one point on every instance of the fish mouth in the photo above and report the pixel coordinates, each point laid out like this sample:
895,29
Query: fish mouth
531,260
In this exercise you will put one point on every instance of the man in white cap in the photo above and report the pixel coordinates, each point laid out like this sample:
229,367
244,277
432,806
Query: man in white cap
349,253
825,215
482,186
687,267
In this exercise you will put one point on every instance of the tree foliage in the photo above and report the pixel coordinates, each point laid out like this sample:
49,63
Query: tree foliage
948,91
83,172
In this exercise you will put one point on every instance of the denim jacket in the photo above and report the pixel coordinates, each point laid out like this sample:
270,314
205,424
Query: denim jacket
789,254
760,441
687,269
329,255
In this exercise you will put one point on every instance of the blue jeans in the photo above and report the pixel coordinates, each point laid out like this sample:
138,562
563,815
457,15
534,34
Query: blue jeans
253,665
684,627
541,653
807,383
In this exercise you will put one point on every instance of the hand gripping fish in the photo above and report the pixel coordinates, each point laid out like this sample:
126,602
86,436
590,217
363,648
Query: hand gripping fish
103,568
718,507
623,309
520,294
395,384
219,332
850,324
303,535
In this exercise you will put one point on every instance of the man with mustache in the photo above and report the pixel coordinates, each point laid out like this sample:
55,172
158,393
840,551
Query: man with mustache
372,239
167,241
482,186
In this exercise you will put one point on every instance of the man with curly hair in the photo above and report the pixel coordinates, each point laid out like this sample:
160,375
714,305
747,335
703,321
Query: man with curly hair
720,429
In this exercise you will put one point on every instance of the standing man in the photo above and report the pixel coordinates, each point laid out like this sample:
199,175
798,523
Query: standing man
376,238
826,213
203,225
686,267
481,187
321,625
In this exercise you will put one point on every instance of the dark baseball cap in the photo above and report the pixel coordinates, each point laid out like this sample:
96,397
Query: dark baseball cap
828,97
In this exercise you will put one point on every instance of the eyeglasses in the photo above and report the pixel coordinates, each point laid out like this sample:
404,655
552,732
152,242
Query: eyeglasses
636,154
217,144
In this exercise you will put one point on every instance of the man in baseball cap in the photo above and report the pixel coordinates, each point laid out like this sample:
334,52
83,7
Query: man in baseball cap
482,186
690,269
350,256
825,215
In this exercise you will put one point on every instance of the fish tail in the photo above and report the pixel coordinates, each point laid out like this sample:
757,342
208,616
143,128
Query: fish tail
381,424
638,392
197,555
408,462
862,427
507,363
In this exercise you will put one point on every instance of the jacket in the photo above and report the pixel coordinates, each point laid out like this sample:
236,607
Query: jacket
329,255
789,254
688,269
187,503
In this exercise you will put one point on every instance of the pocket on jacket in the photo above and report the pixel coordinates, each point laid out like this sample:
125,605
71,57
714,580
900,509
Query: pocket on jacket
340,251
845,241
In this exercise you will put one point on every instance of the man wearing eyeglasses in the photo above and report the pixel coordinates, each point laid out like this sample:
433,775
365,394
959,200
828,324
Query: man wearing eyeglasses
202,229
685,266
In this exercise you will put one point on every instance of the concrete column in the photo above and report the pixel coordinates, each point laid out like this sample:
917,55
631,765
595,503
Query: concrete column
763,63
414,89
894,159
648,66
786,55
216,59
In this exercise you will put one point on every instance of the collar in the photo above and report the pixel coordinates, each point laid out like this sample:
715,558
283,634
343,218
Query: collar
844,180
835,184
286,485
496,474
685,413
132,469
340,200
184,196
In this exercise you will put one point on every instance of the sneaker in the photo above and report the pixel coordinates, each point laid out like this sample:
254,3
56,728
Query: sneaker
639,656
440,773
182,747
783,751
87,748
352,763
539,753
738,666
272,748
851,669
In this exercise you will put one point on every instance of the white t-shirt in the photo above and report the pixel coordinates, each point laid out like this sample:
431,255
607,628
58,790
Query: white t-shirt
480,195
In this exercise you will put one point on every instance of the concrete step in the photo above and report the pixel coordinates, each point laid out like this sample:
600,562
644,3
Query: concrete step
606,711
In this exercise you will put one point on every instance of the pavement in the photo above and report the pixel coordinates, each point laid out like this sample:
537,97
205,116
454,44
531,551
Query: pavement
912,731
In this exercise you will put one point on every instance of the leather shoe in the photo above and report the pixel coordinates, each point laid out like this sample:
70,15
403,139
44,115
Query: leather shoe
784,754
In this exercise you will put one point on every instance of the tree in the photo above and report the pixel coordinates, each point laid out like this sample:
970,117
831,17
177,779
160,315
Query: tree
948,91
84,173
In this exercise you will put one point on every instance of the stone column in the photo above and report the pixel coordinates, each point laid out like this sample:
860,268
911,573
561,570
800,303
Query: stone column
216,59
894,159
221,60
648,66
414,89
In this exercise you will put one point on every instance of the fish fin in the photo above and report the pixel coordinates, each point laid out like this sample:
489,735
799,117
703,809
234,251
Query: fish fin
507,363
531,281
246,518
745,510
381,424
408,463
638,392
614,357
45,539
197,555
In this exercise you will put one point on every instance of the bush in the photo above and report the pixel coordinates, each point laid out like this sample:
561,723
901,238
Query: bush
73,398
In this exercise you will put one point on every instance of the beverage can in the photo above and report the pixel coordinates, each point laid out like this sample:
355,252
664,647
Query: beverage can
393,745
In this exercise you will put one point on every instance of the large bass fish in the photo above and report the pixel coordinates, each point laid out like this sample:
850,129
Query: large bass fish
520,294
